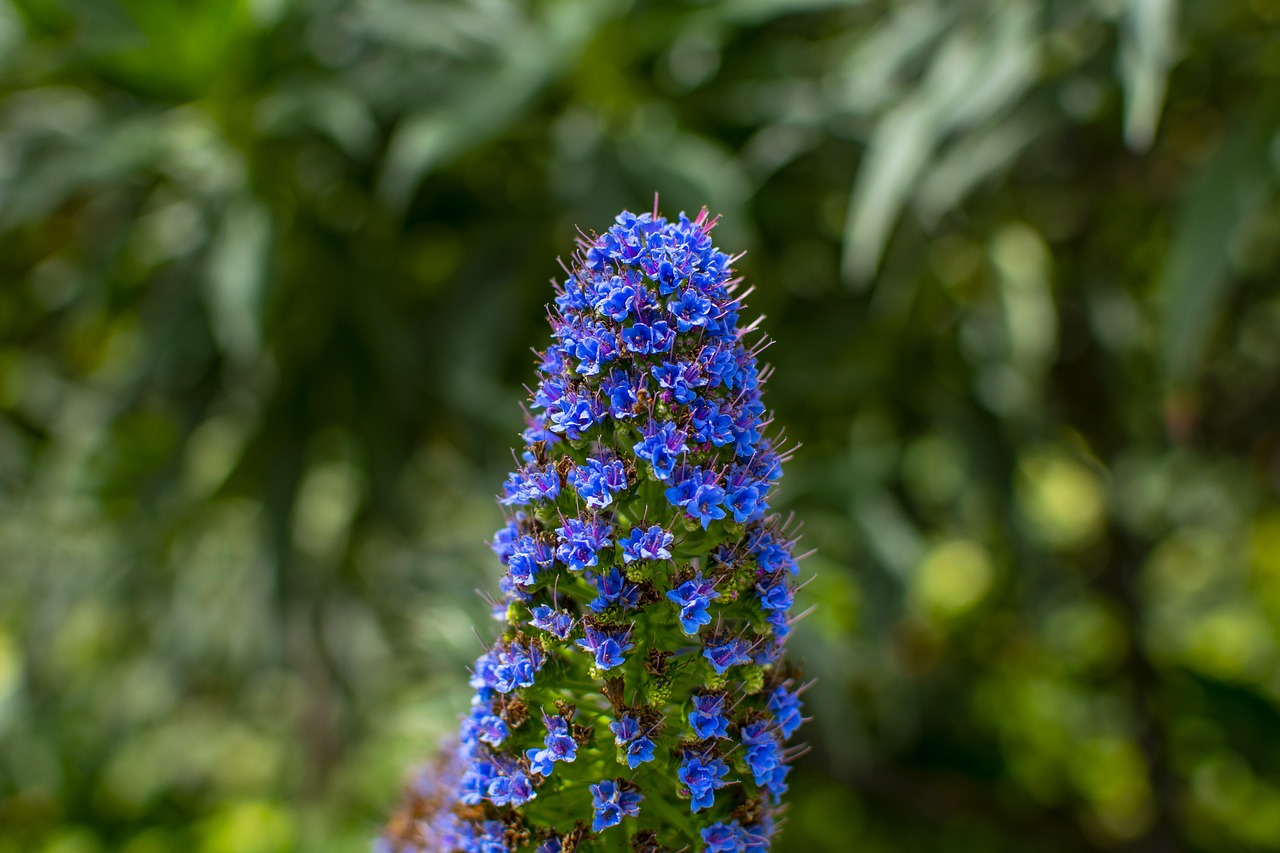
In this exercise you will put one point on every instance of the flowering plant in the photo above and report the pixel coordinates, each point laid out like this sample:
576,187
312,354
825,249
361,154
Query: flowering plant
638,694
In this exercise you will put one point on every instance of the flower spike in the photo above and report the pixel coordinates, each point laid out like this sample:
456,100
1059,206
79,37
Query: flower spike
639,693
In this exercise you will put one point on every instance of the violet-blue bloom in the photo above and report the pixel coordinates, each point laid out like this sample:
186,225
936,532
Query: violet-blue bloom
626,733
581,540
639,751
490,837
613,588
693,597
763,752
556,622
690,309
776,784
649,544
625,729
775,596
558,745
528,557
725,838
619,390
707,718
606,647
662,447
701,776
727,653
683,493
597,481
492,730
611,803
786,705
512,789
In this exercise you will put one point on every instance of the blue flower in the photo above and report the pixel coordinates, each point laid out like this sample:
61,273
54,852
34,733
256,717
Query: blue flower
701,776
690,309
770,650
607,647
491,838
728,653
477,727
536,430
707,718
551,361
514,490
661,447
558,745
770,554
528,556
706,505
574,413
619,389
504,540
775,596
745,494
648,338
556,622
780,624
720,366
544,484
540,761
626,733
597,481
776,784
639,751
613,588
530,483
786,706
725,838
744,501
625,729
762,748
650,544
492,730
611,803
618,300
572,297
514,789
699,494
710,423
594,348
474,784
682,494
613,476
508,666
681,378
549,396
580,540
694,596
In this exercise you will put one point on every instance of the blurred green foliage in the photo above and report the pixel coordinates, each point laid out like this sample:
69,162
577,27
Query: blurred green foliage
270,271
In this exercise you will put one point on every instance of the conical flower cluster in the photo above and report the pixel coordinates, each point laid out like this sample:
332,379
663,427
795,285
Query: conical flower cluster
638,698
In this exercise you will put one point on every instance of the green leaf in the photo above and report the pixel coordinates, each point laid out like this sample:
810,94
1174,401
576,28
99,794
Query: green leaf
237,277
986,152
1149,31
490,101
1197,278
980,71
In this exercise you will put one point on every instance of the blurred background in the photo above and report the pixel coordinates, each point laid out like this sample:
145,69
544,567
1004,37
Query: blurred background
270,271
